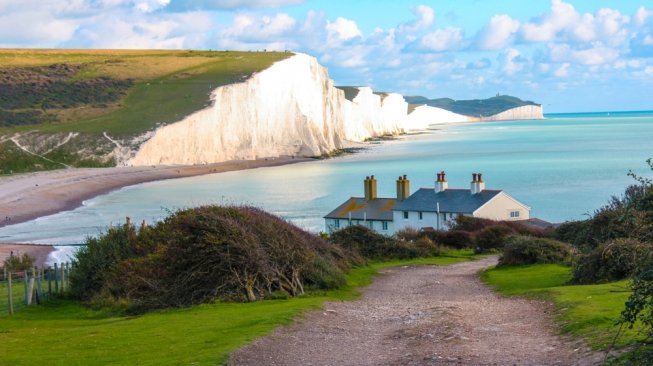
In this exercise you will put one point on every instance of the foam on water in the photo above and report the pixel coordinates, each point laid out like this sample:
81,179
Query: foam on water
563,167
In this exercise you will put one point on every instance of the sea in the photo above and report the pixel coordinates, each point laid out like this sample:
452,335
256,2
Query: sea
564,167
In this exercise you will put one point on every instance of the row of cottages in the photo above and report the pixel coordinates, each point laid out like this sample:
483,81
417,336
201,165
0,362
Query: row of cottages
427,208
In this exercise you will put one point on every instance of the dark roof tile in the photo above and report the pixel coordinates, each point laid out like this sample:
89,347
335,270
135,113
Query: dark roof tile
450,200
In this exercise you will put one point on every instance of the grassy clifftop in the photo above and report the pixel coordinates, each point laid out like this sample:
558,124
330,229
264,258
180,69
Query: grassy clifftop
45,95
118,92
474,107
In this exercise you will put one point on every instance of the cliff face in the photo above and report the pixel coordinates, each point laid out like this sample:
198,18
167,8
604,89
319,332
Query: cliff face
423,116
524,112
291,108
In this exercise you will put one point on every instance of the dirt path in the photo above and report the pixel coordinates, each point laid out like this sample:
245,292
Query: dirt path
421,316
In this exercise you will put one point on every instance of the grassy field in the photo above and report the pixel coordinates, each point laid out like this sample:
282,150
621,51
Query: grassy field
168,85
586,311
64,332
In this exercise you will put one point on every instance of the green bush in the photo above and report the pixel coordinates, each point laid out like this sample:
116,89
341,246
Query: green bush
15,263
612,261
457,239
522,250
491,237
371,245
203,254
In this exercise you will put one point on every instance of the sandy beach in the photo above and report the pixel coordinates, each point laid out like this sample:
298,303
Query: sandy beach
40,253
24,197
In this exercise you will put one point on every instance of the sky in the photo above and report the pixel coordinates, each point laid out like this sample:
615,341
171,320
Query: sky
570,56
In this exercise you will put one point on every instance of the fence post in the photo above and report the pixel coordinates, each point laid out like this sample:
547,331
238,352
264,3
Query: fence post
25,286
11,300
56,278
63,279
30,291
49,272
39,288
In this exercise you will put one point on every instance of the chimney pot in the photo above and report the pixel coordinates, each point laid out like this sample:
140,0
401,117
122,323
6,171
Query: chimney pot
473,177
480,179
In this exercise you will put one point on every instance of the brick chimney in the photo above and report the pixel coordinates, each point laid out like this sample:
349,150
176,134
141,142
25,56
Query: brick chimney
403,188
477,185
441,183
370,188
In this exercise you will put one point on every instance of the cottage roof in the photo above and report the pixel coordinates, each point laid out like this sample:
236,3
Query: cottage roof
450,200
379,209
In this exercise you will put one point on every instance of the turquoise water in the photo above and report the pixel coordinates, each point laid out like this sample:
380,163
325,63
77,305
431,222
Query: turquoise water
564,168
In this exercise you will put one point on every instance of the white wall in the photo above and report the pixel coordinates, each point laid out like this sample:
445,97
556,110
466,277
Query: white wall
330,225
499,208
429,219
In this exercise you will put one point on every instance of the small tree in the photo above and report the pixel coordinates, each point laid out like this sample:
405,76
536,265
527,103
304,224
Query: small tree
16,263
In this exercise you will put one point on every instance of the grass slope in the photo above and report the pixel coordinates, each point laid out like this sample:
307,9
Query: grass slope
167,85
586,311
474,107
63,331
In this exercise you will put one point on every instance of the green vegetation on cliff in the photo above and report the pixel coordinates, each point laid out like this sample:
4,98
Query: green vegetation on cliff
474,107
47,94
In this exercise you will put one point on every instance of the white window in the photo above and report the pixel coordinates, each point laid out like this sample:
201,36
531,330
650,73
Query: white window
370,224
405,215
514,214
337,225
420,215
384,225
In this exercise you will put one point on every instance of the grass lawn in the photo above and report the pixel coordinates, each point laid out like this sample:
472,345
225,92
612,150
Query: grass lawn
586,311
64,332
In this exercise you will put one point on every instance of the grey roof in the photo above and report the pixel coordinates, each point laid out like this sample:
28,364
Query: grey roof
376,209
450,200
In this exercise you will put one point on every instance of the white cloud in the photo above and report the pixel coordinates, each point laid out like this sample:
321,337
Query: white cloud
597,54
250,27
147,6
497,33
641,15
425,18
44,30
229,4
443,39
511,61
562,70
545,29
342,30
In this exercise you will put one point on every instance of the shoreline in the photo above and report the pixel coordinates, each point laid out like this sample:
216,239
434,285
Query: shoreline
28,196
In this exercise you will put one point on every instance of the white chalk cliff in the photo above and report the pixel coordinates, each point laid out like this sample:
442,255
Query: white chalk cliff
518,113
291,108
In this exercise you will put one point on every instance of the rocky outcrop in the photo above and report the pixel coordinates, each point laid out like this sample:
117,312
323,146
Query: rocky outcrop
519,113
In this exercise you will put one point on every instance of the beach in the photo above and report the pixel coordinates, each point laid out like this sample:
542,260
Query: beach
25,197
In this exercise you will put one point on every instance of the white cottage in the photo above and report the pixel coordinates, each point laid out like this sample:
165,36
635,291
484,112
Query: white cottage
427,208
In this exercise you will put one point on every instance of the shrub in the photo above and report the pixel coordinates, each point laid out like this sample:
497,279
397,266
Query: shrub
521,250
457,239
612,261
491,237
639,306
202,254
16,263
471,224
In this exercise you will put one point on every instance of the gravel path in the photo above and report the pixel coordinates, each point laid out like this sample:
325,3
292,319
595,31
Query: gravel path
422,315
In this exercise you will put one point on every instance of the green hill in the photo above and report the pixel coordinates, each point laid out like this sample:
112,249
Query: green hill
474,107
47,94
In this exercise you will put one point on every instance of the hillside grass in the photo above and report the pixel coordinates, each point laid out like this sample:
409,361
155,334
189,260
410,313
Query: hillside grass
63,331
168,85
586,311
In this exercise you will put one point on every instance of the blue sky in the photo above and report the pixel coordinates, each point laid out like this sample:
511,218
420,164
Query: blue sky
569,55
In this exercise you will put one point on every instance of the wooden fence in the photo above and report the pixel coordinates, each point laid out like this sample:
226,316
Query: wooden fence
21,289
